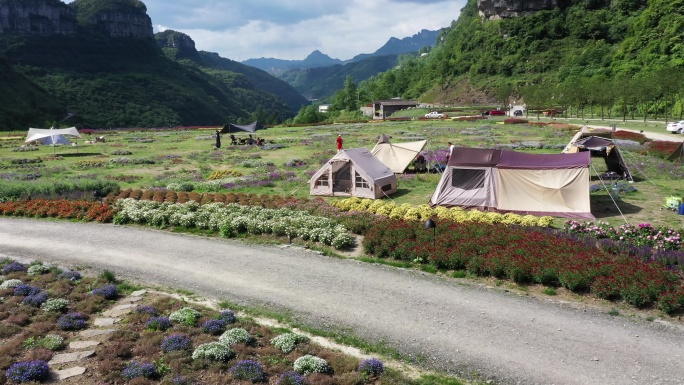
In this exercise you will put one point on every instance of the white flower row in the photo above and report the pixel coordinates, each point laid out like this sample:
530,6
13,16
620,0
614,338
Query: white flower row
232,219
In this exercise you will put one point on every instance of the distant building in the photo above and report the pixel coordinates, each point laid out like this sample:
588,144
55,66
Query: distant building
384,108
324,108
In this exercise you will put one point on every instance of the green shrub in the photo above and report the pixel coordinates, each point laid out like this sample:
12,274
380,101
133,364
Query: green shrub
286,342
186,316
56,305
235,336
311,364
214,351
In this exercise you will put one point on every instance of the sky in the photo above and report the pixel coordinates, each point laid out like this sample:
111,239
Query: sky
292,29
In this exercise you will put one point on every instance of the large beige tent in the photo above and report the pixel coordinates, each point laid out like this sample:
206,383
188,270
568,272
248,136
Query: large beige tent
354,172
397,156
51,136
508,181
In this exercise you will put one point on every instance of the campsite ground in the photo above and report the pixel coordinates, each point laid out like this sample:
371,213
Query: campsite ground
186,159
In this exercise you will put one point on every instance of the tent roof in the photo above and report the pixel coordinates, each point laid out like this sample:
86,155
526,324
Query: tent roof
40,133
397,156
364,159
251,128
482,157
521,160
466,156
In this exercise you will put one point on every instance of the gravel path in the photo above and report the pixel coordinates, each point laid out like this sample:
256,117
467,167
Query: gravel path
459,327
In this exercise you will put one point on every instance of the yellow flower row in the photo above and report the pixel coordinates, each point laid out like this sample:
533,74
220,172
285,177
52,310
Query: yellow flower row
224,174
423,212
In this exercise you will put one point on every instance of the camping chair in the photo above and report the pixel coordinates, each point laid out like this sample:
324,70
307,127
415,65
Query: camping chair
672,203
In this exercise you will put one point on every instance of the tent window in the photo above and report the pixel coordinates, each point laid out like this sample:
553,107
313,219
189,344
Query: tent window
387,187
360,182
467,179
322,181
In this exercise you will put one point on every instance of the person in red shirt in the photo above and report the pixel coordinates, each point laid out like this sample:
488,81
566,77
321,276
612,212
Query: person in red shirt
339,142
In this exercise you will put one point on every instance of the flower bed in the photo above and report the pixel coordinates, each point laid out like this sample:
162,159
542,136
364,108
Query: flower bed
233,219
423,212
530,256
62,208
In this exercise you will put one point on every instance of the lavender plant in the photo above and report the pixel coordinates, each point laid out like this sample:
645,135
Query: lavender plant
214,326
35,300
136,369
228,316
248,370
160,323
28,371
71,275
25,290
72,321
372,367
106,291
13,267
291,378
176,342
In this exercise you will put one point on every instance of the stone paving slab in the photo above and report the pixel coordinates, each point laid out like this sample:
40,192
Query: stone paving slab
131,299
77,345
119,310
138,293
68,373
70,357
105,321
95,332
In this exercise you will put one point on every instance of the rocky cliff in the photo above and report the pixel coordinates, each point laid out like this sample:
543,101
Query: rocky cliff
115,18
503,9
37,17
123,24
173,39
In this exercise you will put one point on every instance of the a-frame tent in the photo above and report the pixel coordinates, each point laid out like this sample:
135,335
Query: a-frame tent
602,147
397,156
354,172
678,154
507,181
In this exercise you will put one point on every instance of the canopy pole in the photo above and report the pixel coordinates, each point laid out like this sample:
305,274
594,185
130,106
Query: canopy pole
611,197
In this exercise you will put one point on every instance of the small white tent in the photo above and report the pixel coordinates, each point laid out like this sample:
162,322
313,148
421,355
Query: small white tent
397,156
354,172
52,136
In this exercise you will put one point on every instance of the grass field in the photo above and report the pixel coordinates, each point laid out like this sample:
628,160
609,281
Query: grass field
186,159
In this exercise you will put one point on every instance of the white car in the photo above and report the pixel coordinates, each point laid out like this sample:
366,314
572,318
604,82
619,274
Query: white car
434,115
676,127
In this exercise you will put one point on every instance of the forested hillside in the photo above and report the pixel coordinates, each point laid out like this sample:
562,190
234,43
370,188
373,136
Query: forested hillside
626,55
323,82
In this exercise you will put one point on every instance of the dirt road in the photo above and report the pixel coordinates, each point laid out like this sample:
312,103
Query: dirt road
459,327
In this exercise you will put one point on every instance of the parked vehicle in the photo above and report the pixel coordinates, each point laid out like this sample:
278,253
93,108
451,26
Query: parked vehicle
434,115
517,113
676,127
497,113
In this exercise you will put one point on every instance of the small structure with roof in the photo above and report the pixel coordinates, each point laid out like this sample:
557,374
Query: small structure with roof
354,172
384,108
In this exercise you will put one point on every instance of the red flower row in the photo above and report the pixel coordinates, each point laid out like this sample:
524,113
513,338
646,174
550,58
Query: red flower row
65,209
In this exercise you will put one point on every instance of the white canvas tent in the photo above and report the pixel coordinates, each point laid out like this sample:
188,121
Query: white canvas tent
51,136
354,172
397,156
508,181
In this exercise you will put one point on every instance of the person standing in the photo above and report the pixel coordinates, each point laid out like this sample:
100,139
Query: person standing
218,139
451,150
339,142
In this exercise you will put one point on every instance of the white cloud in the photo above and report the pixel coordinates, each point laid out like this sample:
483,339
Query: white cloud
292,29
